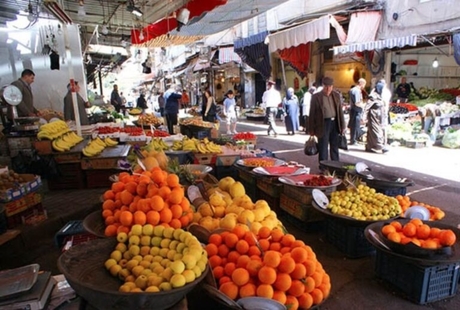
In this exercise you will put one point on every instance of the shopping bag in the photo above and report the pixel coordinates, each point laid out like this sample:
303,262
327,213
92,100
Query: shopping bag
343,145
310,147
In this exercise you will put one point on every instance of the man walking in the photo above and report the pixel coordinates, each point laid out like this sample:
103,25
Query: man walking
271,99
326,120
356,111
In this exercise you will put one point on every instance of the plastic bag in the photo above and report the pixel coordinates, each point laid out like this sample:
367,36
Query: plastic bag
310,147
343,142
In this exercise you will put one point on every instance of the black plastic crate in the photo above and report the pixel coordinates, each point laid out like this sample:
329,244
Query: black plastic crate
182,158
221,172
391,191
419,283
349,239
251,190
307,227
273,202
69,229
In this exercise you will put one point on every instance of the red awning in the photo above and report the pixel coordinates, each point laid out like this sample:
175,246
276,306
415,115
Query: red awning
165,25
298,57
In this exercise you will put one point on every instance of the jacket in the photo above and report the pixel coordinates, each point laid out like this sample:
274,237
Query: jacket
26,107
172,103
316,119
69,112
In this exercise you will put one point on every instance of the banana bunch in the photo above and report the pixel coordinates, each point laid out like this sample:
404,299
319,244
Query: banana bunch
66,141
53,130
94,147
205,146
177,146
189,145
109,142
158,144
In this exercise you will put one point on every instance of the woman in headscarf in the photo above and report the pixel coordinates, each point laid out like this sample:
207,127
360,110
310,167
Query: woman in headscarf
375,114
291,107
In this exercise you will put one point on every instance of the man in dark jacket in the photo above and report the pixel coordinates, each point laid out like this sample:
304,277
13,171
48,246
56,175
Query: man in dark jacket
172,98
82,105
115,99
26,107
326,120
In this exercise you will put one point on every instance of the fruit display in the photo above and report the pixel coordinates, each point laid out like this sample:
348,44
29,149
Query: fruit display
229,206
96,146
419,233
66,141
156,258
158,144
319,180
147,197
53,130
244,136
10,179
203,146
259,162
364,204
149,119
135,111
196,121
405,203
157,133
271,264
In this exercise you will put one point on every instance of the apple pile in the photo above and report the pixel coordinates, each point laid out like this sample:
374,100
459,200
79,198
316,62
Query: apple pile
230,206
156,258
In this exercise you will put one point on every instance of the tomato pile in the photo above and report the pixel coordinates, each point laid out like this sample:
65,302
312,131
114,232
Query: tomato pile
320,180
108,130
133,131
244,136
259,162
157,133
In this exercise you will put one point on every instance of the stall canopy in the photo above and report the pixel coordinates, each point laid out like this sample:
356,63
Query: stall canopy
298,57
196,8
376,45
227,54
254,52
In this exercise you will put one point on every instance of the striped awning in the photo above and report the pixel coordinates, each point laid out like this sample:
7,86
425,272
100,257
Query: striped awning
376,45
227,54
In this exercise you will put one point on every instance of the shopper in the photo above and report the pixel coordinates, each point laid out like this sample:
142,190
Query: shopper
271,99
356,111
185,100
115,99
26,106
430,114
209,108
376,118
230,112
172,97
306,107
69,112
161,103
326,120
403,90
141,102
291,108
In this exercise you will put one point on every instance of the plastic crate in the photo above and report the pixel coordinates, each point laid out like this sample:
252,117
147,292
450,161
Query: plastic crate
69,229
226,160
221,172
419,283
391,191
70,241
182,157
273,202
303,195
247,176
415,144
204,159
307,227
349,239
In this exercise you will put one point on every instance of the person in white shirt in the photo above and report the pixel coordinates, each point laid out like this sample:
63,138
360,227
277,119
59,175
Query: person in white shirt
230,112
271,100
306,107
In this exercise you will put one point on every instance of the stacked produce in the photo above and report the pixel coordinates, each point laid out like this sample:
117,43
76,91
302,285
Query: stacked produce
196,121
270,264
66,141
405,203
364,204
156,258
135,111
229,206
53,130
149,197
96,146
149,119
158,144
203,146
157,133
419,233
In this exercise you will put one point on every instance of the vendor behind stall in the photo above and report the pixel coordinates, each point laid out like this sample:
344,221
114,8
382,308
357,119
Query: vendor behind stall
430,119
69,114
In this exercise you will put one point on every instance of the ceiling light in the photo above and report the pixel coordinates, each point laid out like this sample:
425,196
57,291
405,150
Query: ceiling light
81,9
134,9
182,18
435,63
104,29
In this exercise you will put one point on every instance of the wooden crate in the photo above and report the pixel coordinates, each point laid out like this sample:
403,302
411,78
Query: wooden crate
99,178
43,147
70,176
304,212
303,195
270,186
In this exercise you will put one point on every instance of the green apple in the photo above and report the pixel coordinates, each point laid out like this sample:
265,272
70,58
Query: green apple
180,247
122,237
136,230
168,232
173,244
158,230
156,241
147,229
134,240
177,233
177,266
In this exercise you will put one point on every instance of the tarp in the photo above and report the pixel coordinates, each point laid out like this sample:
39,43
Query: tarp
298,57
254,52
227,54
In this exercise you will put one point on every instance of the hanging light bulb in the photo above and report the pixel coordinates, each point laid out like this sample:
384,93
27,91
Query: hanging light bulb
59,31
30,9
104,29
141,35
435,63
81,9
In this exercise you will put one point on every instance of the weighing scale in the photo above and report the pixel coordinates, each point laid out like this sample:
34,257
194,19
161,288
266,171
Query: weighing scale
13,96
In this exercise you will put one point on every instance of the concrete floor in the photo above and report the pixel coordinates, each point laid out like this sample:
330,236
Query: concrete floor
435,172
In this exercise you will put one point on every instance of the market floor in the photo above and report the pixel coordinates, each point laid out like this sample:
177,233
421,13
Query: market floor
354,283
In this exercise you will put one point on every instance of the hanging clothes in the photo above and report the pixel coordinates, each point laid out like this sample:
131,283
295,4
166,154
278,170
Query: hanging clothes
54,59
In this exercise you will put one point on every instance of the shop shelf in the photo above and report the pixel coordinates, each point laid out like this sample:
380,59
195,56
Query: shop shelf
348,238
419,283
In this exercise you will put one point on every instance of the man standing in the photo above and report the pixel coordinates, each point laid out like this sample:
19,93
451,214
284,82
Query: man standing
306,107
68,106
172,97
26,107
403,90
356,111
271,99
115,99
326,120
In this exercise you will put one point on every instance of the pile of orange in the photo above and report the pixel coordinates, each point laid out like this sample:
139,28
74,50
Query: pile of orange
405,203
419,233
150,197
271,264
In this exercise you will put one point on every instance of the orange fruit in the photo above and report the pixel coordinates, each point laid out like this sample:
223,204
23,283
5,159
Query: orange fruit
434,232
310,266
211,249
131,187
395,237
239,231
267,275
264,244
110,230
242,261
326,289
387,229
240,276
305,301
153,217
141,189
276,234
248,290
297,243
254,250
283,282
297,288
229,268
215,239
249,237
280,297
318,277
230,289
107,213
287,240
139,218
165,215
164,192
126,197
265,290
396,225
126,218
224,279
264,232
176,211
430,244
175,223
176,195
423,231
233,256
253,267
218,272
223,250
299,272
215,261
109,220
416,242
447,237
299,254
416,222
172,180
272,259
292,302
410,229
287,264
242,246
275,246
309,284
118,187
108,204
317,296
230,240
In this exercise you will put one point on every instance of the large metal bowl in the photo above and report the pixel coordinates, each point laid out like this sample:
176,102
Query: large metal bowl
83,268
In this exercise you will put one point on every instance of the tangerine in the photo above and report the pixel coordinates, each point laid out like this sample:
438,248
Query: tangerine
280,297
253,267
126,218
272,258
305,301
248,290
242,246
265,290
447,237
423,231
230,240
299,272
264,232
211,249
172,180
267,275
230,289
410,229
139,218
153,217
239,231
297,288
283,282
215,239
229,268
299,254
292,303
276,234
387,229
287,264
240,276
165,215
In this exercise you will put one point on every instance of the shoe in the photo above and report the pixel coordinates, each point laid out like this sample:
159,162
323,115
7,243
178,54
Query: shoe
375,150
268,133
385,150
276,135
235,132
229,132
353,143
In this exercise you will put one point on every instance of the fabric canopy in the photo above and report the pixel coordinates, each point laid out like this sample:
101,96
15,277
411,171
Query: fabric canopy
169,23
254,52
308,32
227,54
363,26
376,45
298,57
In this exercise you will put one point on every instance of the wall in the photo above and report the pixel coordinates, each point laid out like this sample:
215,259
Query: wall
21,49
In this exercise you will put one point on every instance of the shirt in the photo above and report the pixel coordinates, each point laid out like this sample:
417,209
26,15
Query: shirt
306,104
328,107
230,106
356,97
271,98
